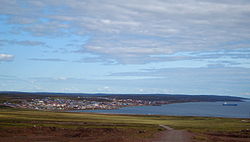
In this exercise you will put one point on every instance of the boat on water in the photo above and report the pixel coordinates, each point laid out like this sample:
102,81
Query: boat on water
229,104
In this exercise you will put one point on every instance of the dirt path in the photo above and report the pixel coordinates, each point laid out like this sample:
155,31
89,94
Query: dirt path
171,135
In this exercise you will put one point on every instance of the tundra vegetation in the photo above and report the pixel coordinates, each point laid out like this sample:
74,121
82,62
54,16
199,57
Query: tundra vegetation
34,125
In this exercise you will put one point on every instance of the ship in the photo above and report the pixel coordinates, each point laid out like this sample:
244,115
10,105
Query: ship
229,104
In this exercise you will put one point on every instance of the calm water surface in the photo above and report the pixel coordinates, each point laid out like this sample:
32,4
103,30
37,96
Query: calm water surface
213,109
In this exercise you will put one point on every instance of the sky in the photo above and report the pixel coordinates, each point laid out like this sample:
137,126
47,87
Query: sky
135,46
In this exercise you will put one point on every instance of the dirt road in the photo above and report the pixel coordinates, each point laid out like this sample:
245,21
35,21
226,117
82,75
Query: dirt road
171,135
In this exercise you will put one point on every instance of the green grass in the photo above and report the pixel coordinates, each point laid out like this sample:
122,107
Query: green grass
20,118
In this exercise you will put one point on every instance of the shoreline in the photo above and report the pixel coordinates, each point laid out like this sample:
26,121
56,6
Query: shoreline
140,110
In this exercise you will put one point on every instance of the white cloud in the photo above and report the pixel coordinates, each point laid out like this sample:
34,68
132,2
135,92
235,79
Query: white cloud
129,23
140,28
61,78
129,51
6,57
22,42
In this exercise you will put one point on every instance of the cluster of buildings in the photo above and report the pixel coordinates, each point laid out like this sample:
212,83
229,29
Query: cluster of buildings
80,103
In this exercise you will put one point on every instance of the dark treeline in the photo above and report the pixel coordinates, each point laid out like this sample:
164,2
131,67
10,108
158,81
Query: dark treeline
178,98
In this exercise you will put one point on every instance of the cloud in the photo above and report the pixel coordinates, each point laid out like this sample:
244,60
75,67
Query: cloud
225,80
48,59
246,93
22,42
206,80
132,32
21,20
6,57
218,64
102,60
209,73
14,83
148,56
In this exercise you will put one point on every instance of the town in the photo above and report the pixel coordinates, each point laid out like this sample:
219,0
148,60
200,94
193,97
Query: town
73,101
78,103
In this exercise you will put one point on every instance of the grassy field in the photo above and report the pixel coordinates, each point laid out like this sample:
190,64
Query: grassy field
178,122
140,123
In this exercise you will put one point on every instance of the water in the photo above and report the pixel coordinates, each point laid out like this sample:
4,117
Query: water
212,109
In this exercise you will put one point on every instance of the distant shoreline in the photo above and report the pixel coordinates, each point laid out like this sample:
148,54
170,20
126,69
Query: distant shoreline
195,109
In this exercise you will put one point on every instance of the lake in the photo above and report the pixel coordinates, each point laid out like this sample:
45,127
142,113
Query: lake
211,109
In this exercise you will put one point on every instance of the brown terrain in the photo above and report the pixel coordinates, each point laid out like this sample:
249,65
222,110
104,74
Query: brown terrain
226,137
55,134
